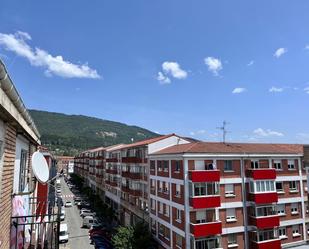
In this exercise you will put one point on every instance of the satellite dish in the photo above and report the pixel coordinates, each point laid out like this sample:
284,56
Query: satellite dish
40,167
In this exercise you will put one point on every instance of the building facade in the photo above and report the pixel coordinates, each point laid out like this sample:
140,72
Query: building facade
22,197
216,195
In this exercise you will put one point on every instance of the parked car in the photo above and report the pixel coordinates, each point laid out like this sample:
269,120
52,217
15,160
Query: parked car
87,213
88,221
63,233
68,204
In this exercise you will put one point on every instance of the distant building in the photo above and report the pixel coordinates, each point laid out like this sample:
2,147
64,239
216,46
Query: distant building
198,195
65,164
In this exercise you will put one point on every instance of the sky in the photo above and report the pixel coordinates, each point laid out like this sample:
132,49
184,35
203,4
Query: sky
170,66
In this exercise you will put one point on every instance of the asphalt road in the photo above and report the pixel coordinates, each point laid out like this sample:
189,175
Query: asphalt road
78,237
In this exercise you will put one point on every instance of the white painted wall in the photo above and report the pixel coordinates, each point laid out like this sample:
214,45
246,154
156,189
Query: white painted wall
165,143
21,144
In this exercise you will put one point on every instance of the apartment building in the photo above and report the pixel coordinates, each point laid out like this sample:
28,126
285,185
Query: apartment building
228,195
22,197
120,175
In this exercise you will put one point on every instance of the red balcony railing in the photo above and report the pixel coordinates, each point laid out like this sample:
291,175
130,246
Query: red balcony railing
267,244
264,198
261,174
265,222
205,201
133,160
204,175
206,229
111,160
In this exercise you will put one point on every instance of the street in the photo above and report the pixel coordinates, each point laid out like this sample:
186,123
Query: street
78,237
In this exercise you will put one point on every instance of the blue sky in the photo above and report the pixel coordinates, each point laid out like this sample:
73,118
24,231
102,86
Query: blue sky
169,66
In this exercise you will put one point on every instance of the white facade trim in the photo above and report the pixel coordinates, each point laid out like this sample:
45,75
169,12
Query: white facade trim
169,225
229,230
289,200
166,179
230,180
288,178
167,202
236,204
291,222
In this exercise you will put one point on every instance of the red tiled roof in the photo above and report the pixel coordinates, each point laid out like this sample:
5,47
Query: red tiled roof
241,148
147,141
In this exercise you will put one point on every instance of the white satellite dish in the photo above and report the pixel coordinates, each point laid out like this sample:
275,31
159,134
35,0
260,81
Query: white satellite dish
40,167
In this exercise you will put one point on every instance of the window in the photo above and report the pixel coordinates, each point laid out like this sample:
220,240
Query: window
165,165
229,190
254,164
178,190
203,189
265,211
166,187
200,216
291,165
178,241
167,211
153,204
23,173
281,209
294,208
230,215
262,186
159,165
293,186
178,215
161,208
295,231
228,165
160,186
282,233
279,187
232,239
278,165
177,166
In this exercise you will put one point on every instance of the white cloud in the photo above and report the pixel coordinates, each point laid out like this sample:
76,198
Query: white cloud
306,89
54,65
307,47
199,132
279,52
267,133
274,89
214,65
250,63
239,90
163,79
173,69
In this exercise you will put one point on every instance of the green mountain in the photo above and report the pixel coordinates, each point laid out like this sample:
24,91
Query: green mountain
69,134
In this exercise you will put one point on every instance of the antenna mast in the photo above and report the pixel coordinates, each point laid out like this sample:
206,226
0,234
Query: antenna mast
224,131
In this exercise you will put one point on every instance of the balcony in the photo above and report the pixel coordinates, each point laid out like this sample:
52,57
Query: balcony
262,174
206,229
267,244
113,183
205,201
135,192
204,175
265,222
264,217
133,160
125,189
112,160
264,198
111,171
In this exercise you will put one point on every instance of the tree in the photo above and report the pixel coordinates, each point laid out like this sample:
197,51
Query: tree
123,238
142,238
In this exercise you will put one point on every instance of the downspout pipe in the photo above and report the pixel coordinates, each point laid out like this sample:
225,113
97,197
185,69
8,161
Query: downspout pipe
8,87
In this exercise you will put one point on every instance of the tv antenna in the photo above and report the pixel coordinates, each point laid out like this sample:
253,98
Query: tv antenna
223,129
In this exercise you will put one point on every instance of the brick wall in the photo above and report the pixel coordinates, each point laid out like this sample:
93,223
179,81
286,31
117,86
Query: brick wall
7,186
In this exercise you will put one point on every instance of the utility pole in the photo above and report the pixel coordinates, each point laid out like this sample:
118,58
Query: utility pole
224,131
